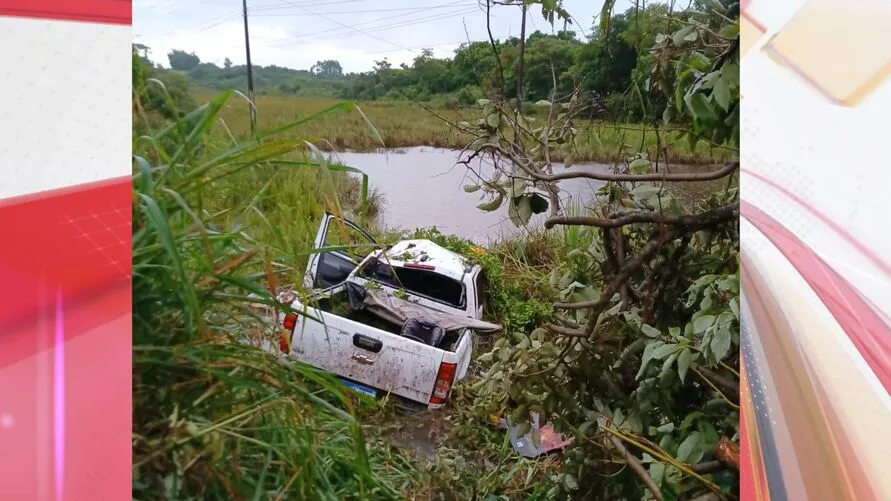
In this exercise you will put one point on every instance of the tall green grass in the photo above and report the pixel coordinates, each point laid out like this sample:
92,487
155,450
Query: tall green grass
214,416
405,124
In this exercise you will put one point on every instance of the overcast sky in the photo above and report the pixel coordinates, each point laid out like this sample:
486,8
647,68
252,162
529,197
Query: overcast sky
297,33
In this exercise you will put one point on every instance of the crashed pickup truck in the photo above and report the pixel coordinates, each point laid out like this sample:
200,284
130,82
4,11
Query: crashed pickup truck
396,321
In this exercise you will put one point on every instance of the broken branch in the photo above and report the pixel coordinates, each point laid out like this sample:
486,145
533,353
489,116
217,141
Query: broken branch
636,467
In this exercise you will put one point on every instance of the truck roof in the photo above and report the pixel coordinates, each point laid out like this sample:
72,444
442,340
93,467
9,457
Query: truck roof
428,253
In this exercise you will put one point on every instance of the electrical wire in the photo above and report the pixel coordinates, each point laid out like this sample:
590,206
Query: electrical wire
349,12
338,34
370,21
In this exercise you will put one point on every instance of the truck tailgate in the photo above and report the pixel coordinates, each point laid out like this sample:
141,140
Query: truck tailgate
367,355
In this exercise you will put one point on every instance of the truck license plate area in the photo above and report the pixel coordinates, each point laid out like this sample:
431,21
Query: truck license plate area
359,388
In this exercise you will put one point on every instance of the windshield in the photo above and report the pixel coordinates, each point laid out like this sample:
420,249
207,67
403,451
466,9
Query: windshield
426,283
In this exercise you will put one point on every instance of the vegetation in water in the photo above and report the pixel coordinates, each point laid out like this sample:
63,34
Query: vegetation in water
621,319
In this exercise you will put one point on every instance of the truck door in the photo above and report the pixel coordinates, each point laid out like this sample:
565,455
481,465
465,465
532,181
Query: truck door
339,247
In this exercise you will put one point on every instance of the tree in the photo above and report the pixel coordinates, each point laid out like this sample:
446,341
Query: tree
604,65
549,58
640,357
382,65
227,63
183,61
144,49
327,68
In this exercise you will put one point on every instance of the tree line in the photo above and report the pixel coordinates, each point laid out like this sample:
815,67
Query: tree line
611,67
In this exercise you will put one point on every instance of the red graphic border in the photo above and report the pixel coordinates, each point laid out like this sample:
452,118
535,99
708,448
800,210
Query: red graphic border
96,11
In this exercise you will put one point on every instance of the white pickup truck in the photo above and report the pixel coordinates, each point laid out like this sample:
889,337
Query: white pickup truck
399,320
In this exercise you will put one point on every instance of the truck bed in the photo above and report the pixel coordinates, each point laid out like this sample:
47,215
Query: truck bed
338,304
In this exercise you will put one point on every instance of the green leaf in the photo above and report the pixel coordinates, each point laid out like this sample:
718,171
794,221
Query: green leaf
684,360
689,419
520,210
721,92
734,307
664,351
666,368
657,472
647,193
692,140
666,428
680,36
688,447
570,482
730,72
504,354
605,17
491,205
649,331
700,107
471,188
639,166
721,341
647,356
703,323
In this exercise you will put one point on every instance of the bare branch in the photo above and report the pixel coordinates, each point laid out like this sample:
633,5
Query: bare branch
616,221
728,169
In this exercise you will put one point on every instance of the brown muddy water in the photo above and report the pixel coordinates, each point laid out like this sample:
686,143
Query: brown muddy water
422,187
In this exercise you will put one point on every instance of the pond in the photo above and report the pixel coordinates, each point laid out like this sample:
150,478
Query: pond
422,187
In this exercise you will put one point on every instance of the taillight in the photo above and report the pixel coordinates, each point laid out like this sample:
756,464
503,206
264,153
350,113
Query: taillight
284,341
444,379
290,321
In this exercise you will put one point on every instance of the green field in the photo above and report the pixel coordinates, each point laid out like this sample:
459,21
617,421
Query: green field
404,124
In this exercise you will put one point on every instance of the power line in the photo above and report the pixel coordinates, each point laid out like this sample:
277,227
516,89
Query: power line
428,46
348,12
372,21
314,4
301,40
351,28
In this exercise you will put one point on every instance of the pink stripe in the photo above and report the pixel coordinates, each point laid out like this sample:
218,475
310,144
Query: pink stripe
864,327
59,400
875,259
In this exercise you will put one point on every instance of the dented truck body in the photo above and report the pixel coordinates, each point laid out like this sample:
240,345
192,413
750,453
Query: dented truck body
407,329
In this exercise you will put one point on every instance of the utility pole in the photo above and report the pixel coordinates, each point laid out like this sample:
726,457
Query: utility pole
250,73
521,77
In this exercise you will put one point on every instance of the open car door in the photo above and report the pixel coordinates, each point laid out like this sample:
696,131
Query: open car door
340,247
